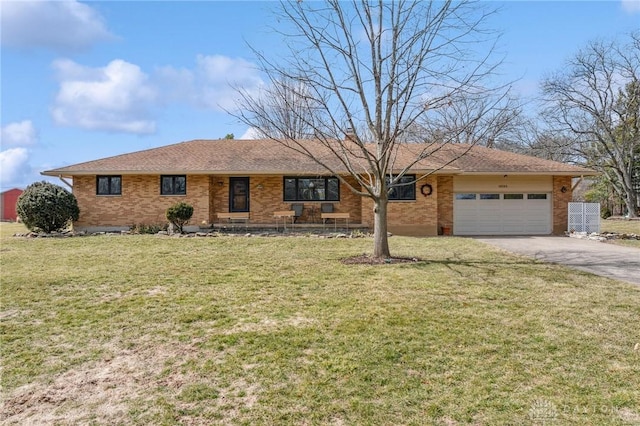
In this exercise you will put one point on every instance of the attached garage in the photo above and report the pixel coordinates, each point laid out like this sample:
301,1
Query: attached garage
507,205
502,214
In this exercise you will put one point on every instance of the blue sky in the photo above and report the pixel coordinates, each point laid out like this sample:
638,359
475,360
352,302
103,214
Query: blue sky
87,80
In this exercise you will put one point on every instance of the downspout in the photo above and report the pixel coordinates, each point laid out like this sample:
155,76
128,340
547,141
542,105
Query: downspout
66,182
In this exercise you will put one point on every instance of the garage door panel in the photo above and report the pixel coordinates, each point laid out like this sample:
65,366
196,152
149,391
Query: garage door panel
514,229
537,226
515,214
490,227
513,224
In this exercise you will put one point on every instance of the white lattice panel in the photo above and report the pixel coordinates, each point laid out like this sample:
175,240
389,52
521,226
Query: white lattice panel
584,217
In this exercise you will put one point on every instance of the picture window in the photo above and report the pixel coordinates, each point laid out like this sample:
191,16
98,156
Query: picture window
311,189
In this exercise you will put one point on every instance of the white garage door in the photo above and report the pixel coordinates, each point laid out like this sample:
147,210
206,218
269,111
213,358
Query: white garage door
502,214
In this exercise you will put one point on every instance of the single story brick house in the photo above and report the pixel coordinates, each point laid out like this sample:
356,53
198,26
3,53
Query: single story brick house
485,192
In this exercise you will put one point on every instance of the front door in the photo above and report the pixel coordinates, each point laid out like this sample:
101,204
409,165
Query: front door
239,194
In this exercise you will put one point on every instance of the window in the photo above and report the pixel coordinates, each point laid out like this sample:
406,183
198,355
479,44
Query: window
406,190
311,189
109,185
514,196
173,185
489,196
536,196
465,196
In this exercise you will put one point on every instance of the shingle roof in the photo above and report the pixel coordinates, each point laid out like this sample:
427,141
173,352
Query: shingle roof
263,156
482,160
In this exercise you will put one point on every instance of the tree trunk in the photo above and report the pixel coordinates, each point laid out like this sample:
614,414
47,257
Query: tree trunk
631,202
380,237
629,194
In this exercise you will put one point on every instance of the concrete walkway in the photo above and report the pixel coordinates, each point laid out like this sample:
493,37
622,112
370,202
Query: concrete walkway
604,259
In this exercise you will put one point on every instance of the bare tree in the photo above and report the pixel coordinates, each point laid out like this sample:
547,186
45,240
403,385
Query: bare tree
490,119
283,110
594,103
529,136
377,72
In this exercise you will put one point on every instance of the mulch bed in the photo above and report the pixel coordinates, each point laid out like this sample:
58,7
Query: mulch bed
366,259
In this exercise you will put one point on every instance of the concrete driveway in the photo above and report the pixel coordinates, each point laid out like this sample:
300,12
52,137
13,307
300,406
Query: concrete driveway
607,260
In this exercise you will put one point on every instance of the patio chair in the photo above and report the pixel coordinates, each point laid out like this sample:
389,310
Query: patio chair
297,208
326,208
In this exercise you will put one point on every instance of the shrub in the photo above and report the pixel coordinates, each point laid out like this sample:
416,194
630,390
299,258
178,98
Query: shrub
179,214
46,207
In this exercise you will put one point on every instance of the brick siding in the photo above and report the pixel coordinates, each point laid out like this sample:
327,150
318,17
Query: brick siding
561,202
139,203
417,218
445,203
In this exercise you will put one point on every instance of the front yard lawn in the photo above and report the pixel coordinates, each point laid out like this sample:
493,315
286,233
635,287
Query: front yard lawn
263,331
622,227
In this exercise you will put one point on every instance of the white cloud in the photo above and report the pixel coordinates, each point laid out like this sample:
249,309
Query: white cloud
58,25
14,167
116,98
120,97
251,133
19,134
211,83
631,6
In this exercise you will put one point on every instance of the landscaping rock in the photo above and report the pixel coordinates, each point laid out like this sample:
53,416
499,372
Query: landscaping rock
203,234
602,237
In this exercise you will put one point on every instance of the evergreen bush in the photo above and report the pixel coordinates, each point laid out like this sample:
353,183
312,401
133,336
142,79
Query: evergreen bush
46,207
179,214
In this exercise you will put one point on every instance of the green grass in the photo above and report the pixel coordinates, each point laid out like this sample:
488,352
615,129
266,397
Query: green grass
622,227
8,229
261,331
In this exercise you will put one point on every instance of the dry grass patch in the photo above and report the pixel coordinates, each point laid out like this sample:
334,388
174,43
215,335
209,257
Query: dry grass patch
622,227
232,330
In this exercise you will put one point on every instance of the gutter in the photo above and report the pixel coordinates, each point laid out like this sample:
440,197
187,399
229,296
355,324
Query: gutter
71,173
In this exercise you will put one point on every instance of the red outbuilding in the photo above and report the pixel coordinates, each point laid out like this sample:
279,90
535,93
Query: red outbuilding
8,200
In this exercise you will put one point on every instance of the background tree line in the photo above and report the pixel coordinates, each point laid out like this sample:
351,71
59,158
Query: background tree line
589,114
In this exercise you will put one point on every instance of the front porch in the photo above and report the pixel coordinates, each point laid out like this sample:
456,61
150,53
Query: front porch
312,228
